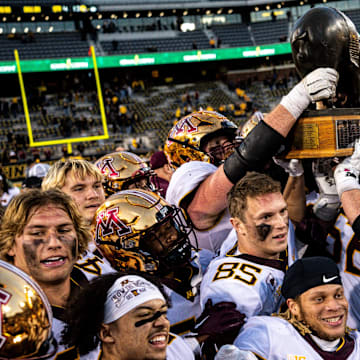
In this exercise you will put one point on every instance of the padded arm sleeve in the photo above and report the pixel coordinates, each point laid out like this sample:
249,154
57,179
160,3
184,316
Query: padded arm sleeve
262,143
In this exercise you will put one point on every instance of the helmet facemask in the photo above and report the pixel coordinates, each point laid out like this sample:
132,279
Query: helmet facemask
168,241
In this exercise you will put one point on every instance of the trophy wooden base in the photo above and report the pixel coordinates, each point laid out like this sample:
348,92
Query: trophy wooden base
324,133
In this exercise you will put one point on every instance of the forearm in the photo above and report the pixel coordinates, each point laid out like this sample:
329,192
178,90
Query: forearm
281,120
351,204
294,195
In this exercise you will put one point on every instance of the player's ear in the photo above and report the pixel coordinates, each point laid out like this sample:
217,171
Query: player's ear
238,225
293,307
105,334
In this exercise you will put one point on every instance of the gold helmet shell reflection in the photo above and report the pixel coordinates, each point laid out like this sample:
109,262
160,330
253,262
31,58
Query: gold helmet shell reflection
120,169
123,221
189,134
26,317
250,124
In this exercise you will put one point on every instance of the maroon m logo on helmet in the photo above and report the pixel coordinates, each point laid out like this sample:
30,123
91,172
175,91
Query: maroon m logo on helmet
107,168
4,299
108,223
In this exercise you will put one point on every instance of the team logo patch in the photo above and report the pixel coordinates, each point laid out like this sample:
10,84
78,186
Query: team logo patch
108,223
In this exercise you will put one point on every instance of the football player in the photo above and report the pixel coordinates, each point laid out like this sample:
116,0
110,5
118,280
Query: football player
331,226
124,170
314,325
137,229
43,234
81,180
118,306
25,315
198,186
251,274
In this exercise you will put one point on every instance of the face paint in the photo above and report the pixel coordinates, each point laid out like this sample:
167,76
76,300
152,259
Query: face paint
263,231
150,319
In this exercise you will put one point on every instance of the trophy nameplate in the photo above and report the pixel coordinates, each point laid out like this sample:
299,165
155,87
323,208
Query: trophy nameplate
324,133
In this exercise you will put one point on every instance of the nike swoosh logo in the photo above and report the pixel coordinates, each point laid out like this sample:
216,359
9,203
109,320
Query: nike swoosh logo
326,280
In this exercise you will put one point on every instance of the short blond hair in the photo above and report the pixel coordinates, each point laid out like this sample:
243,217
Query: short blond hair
251,185
20,210
56,176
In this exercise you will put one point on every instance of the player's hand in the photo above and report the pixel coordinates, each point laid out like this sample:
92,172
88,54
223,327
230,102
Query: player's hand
231,352
218,319
320,84
347,173
293,166
328,203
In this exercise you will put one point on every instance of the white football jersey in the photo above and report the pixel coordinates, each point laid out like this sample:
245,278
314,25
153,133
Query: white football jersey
93,264
344,247
252,283
185,307
273,338
185,180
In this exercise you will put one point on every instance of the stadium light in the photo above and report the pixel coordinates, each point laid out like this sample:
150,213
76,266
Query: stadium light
60,17
149,14
125,15
267,7
256,8
4,19
33,18
99,16
51,29
185,12
137,15
46,18
18,18
38,29
162,14
230,11
279,6
13,30
26,30
219,11
1,30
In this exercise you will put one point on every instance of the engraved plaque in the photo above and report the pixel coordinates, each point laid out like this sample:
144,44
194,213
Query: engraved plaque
306,137
324,133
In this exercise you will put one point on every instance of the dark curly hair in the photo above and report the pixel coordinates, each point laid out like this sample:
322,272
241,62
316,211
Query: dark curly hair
85,312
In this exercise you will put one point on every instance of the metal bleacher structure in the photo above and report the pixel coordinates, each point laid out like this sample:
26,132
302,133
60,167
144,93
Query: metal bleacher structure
156,106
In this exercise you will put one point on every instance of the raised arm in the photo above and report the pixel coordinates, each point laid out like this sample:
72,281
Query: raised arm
263,142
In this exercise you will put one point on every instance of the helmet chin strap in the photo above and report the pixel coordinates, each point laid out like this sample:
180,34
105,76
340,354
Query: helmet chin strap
196,279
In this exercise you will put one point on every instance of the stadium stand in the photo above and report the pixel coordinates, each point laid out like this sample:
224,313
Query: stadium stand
270,33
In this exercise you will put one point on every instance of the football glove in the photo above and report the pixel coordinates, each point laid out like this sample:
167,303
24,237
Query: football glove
347,173
318,85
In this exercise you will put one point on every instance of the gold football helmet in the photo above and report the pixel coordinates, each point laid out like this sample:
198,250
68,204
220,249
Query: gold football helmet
122,169
187,138
137,229
26,317
250,124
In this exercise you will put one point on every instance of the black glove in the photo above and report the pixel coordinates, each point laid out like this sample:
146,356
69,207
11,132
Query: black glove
218,319
218,324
